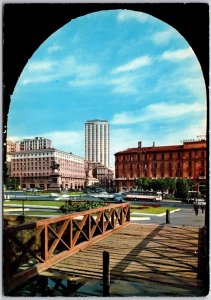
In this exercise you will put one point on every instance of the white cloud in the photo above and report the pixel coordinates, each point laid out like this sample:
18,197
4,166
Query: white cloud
50,70
163,37
122,139
123,84
41,65
128,15
173,110
192,131
158,111
126,118
134,64
68,141
178,55
54,48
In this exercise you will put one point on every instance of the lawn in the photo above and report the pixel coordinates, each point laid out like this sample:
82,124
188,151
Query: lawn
39,203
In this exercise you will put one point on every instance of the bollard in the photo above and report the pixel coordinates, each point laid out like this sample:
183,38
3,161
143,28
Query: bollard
106,274
167,216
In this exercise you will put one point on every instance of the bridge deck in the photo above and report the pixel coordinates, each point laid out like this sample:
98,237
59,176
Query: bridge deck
165,255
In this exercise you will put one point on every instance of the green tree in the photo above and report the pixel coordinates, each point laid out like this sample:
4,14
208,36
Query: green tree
170,184
192,184
182,188
144,183
10,183
158,184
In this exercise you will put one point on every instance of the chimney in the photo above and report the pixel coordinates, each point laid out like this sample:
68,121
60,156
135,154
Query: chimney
153,145
139,144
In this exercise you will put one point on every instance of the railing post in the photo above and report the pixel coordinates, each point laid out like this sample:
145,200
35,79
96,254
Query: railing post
167,216
106,274
71,233
122,215
112,218
89,227
44,243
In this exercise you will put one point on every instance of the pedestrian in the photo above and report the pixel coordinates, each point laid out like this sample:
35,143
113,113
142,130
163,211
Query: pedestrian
202,207
196,208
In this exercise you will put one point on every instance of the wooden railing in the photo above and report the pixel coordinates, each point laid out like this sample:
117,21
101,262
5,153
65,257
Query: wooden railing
45,242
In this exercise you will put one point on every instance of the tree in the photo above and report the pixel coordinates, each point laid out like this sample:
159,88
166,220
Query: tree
191,184
158,184
170,184
144,183
11,183
182,188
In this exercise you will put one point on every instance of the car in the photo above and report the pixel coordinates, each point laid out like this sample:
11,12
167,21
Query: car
54,194
118,198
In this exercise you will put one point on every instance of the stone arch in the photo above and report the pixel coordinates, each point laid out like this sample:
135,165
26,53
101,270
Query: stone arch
27,26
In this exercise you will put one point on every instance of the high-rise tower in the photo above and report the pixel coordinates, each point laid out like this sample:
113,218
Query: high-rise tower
97,141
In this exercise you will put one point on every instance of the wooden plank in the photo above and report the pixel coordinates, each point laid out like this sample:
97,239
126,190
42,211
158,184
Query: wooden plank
142,254
62,276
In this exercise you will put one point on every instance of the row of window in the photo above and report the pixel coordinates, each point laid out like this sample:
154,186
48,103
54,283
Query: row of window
157,156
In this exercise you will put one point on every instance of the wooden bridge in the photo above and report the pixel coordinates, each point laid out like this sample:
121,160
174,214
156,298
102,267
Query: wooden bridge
71,247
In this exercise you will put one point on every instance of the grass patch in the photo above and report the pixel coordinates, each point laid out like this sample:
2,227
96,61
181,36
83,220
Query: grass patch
42,213
42,203
151,210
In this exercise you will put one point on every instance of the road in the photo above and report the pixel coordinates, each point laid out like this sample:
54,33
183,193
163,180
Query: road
185,216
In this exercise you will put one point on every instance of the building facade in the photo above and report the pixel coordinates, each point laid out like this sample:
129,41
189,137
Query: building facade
11,146
33,144
177,161
97,145
103,174
32,168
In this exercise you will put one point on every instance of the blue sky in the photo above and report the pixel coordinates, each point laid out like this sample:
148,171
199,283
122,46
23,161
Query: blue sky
124,66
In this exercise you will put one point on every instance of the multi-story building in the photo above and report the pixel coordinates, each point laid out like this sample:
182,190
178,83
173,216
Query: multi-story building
11,147
33,144
103,174
97,141
32,168
186,161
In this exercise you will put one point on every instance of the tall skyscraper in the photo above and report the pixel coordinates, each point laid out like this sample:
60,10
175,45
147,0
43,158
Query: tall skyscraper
97,144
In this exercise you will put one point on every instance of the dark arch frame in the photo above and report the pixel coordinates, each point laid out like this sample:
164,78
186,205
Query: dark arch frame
26,26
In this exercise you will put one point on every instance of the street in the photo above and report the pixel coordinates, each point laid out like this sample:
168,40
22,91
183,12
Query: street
185,216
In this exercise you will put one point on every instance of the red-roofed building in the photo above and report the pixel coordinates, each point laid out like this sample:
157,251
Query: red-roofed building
185,161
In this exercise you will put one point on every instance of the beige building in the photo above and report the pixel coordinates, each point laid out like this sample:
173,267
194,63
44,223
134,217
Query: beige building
32,168
103,174
33,144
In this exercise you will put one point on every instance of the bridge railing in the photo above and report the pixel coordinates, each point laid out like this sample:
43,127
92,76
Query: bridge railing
45,242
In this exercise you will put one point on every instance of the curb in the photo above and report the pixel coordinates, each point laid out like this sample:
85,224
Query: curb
156,215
